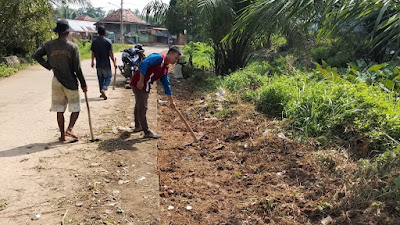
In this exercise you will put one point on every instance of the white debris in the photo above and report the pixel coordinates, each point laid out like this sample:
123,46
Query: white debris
95,164
281,135
327,220
121,182
212,118
36,216
188,207
221,91
115,130
266,132
141,179
170,207
281,173
162,101
121,128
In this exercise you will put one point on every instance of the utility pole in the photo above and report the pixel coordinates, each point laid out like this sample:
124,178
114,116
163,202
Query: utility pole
122,24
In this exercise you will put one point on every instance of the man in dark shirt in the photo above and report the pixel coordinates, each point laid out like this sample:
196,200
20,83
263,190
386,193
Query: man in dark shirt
102,50
63,59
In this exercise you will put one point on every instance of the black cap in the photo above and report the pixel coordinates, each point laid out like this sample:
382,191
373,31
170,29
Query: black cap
101,30
62,27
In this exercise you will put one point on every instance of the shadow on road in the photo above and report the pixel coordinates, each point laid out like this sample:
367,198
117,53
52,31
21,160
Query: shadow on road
31,148
121,143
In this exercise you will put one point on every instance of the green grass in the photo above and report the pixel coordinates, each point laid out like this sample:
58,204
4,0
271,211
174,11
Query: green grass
339,111
84,48
6,71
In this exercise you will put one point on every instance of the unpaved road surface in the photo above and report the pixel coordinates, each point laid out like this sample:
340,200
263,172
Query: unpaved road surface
44,181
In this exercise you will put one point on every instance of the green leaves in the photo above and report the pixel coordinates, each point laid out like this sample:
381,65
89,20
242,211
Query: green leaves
398,181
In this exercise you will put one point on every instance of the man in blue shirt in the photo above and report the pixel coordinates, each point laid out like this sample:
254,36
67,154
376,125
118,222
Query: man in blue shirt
151,69
102,50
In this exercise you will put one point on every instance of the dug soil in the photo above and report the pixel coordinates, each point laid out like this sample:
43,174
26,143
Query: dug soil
245,170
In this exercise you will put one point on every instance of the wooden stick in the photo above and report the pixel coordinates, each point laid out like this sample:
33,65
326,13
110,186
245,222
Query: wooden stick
90,120
187,125
63,219
115,73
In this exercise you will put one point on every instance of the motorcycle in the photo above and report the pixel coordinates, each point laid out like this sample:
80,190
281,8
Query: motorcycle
131,59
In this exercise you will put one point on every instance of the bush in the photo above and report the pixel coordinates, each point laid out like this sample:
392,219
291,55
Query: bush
321,53
272,98
6,71
200,55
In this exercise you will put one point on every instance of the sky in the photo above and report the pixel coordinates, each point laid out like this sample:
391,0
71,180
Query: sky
116,4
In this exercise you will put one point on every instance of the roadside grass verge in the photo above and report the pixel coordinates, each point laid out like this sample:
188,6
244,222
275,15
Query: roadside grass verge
6,71
356,117
84,48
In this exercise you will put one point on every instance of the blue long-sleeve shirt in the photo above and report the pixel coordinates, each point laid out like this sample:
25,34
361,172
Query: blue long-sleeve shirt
153,60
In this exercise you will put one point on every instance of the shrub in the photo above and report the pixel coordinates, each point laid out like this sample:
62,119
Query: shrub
272,98
200,55
321,53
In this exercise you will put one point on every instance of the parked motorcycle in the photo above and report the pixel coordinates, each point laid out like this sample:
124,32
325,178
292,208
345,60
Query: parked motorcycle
131,59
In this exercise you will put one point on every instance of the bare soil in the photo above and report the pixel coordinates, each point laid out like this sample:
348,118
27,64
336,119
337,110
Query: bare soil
246,171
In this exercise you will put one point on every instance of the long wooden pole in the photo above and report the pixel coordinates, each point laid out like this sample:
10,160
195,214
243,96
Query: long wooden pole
90,120
187,125
115,73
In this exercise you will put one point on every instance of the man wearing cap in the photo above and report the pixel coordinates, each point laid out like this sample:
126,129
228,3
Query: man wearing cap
102,50
151,69
63,59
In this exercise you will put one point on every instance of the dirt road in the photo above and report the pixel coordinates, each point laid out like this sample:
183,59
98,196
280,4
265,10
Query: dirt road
111,180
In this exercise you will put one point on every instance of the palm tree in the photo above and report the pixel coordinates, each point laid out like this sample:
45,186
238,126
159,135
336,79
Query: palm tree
379,18
218,18
155,12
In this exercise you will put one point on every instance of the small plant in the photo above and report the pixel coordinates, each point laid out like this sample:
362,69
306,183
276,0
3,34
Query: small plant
3,204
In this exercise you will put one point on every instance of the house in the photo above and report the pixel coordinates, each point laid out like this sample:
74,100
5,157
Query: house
82,29
135,29
132,26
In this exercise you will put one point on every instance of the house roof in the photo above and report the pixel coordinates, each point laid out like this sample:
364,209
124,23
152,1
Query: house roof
85,18
82,26
128,17
159,28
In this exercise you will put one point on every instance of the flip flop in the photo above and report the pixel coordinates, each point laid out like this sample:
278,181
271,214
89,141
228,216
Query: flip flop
70,134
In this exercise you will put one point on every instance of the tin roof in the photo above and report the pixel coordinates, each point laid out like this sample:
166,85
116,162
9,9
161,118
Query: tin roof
82,26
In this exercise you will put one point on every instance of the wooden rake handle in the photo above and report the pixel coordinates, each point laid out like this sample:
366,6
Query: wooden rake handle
90,120
186,123
115,74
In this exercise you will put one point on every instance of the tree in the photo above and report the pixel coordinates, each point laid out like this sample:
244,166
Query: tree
380,19
26,25
213,20
337,18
